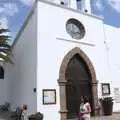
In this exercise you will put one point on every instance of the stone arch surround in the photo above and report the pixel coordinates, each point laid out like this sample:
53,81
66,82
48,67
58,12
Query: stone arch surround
62,82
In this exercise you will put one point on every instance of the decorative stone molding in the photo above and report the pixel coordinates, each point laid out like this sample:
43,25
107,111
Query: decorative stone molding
62,82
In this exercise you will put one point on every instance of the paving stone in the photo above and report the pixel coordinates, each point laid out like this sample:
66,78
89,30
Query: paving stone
114,116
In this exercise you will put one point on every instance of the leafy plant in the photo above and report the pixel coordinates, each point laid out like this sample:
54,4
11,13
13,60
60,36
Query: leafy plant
108,99
5,48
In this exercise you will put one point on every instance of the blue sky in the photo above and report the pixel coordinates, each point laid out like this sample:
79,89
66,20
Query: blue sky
109,9
14,12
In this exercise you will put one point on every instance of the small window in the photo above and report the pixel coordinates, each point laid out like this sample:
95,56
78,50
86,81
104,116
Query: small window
1,72
79,4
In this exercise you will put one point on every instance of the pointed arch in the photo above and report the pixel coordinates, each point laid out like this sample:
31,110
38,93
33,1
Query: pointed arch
63,82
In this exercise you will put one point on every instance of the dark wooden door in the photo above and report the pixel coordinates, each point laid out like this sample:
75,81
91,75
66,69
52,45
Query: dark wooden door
79,84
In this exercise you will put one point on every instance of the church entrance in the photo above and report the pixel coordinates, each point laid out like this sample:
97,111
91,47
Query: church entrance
78,84
76,78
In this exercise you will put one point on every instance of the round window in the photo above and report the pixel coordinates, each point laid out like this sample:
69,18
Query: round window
75,29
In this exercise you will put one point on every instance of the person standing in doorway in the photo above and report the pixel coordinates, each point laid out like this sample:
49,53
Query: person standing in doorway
99,109
86,109
81,108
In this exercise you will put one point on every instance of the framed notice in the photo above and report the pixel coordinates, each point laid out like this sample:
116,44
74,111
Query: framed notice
117,95
105,88
49,96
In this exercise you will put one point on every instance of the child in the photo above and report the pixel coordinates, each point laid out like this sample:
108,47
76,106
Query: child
24,113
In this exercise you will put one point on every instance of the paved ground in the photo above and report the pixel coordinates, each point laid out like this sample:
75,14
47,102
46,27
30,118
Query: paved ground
115,116
5,116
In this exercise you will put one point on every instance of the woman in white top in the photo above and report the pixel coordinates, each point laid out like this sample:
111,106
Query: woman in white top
87,109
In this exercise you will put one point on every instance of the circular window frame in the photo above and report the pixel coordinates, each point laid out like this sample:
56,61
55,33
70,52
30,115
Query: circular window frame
79,25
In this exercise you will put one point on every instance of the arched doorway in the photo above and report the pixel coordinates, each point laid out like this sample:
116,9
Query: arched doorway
79,81
73,63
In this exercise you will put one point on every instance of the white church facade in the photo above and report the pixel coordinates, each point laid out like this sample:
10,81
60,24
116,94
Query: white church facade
60,54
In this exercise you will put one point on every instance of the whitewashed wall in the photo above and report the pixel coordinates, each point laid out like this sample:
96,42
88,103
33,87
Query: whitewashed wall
3,90
113,43
21,76
51,51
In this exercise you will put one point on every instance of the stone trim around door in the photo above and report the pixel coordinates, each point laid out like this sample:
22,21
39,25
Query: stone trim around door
62,82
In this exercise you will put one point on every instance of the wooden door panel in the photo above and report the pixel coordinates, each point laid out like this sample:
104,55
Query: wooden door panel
79,84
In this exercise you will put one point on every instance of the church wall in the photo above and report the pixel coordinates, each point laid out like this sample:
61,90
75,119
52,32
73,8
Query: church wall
112,40
54,43
2,91
21,75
